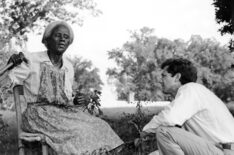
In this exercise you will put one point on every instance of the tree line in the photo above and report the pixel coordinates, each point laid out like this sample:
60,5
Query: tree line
138,65
137,61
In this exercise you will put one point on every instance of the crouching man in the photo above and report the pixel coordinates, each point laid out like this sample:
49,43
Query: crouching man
207,124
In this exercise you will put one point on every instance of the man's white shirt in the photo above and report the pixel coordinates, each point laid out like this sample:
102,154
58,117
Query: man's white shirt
198,110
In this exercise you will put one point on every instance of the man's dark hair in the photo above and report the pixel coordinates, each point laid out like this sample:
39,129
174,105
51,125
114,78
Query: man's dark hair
183,66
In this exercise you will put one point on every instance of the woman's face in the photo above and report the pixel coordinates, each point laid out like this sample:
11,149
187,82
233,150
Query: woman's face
59,40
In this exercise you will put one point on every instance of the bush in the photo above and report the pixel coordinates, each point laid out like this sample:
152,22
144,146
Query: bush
8,139
128,126
230,106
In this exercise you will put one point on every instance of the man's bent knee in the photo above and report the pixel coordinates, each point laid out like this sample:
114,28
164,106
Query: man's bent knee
162,130
162,133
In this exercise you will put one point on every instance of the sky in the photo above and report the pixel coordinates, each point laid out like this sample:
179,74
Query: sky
170,19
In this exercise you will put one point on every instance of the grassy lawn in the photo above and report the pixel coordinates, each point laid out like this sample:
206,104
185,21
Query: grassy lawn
118,118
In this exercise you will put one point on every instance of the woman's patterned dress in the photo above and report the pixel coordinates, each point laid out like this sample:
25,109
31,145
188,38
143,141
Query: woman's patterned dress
68,130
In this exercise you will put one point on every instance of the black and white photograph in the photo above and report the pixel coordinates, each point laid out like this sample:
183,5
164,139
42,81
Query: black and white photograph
116,77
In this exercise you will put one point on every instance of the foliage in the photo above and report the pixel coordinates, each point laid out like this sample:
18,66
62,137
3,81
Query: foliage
225,91
87,84
86,76
214,63
128,128
21,16
223,13
136,69
230,106
121,125
91,102
6,96
8,138
124,126
212,60
138,64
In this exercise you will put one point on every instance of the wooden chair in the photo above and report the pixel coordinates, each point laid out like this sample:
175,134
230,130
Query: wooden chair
25,136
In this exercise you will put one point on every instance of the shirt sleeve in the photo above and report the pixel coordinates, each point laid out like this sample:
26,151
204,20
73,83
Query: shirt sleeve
20,73
182,108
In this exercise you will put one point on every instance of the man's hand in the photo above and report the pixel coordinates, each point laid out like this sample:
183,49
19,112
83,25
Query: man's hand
137,142
144,136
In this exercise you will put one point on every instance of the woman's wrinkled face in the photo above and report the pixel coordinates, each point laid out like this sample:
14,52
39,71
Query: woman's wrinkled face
59,40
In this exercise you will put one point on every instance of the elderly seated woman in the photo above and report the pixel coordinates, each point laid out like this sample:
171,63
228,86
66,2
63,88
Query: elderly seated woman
47,80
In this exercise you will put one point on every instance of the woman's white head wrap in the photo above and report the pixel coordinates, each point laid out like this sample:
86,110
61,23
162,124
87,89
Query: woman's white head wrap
49,29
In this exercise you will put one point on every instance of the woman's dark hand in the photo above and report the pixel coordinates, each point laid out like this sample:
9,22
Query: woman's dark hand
79,99
16,59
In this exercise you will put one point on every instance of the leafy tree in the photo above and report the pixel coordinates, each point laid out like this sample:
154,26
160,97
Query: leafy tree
212,60
86,76
224,12
136,69
19,17
138,64
87,84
